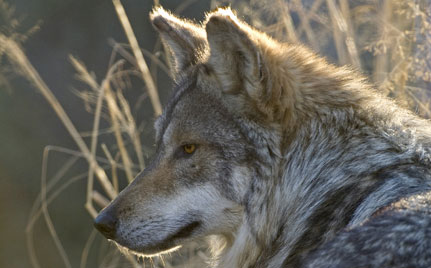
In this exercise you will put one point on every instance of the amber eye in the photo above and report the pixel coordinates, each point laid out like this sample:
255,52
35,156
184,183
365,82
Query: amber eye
189,148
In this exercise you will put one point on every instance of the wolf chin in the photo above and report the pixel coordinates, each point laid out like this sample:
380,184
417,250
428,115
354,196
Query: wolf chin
280,158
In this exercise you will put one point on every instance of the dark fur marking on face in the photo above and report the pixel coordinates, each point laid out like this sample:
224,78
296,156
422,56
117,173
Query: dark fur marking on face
183,232
206,69
180,89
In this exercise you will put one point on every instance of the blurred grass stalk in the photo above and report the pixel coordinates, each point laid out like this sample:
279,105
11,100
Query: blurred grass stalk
20,60
17,57
121,118
152,91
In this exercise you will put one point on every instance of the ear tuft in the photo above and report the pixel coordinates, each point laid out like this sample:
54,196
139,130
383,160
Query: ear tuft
159,19
235,55
185,39
226,12
163,20
221,19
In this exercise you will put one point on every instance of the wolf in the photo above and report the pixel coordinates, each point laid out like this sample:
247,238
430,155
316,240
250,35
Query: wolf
278,157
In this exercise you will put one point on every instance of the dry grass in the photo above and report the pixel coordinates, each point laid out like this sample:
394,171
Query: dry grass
390,41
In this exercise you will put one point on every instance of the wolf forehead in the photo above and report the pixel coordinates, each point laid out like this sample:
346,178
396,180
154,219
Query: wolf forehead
184,85
192,96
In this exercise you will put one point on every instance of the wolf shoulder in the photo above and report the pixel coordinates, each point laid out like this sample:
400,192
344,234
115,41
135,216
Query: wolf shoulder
398,235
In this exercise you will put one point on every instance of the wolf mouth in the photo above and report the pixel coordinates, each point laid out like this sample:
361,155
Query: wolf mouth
169,243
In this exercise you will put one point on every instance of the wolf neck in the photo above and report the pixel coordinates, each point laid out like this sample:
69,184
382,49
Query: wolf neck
304,198
302,195
293,206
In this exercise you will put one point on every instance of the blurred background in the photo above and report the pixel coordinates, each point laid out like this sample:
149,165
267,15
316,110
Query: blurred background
28,124
388,41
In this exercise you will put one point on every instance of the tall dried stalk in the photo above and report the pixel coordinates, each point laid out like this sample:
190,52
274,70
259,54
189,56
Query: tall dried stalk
17,56
46,215
305,22
338,27
101,92
350,35
380,67
287,22
152,91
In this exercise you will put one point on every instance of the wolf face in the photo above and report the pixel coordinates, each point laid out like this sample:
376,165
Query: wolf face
196,184
193,187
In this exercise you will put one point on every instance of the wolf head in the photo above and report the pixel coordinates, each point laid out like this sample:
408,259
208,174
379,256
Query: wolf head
207,137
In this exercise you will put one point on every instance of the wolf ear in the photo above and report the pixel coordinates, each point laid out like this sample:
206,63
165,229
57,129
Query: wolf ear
185,40
235,55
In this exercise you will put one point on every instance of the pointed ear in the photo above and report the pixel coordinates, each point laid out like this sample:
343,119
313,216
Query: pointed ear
235,54
185,40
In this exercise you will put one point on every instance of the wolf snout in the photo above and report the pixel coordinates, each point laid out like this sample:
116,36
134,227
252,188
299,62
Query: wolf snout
106,223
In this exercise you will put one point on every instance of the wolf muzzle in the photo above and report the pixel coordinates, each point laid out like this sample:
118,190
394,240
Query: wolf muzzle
106,223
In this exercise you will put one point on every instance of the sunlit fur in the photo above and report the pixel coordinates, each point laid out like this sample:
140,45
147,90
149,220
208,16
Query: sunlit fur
297,162
127,251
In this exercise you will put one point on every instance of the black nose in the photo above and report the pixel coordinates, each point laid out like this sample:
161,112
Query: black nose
106,223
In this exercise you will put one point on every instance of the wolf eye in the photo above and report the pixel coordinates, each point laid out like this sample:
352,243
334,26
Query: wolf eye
189,148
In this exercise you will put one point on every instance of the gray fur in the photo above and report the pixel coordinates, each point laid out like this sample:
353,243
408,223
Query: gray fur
297,162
